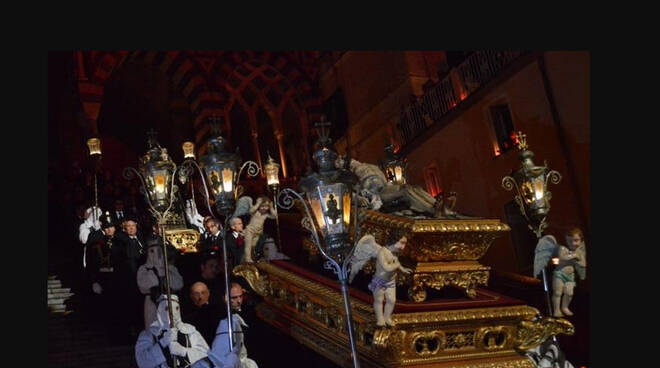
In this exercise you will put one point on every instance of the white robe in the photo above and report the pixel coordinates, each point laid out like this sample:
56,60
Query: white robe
220,346
146,279
148,353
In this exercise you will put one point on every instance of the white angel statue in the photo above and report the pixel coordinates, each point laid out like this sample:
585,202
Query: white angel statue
383,283
572,259
263,209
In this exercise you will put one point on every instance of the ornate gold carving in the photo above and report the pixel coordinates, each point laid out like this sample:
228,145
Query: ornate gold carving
389,343
428,343
533,333
465,275
251,274
459,340
517,362
512,313
437,240
495,338
467,337
185,240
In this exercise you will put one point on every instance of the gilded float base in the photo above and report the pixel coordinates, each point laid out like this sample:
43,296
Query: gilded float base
311,310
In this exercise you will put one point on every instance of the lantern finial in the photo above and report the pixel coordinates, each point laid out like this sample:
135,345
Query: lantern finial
215,125
522,141
151,138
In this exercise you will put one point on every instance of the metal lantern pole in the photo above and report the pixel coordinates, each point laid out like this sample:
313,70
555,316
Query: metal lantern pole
96,197
129,173
277,221
94,146
286,201
271,169
533,199
253,170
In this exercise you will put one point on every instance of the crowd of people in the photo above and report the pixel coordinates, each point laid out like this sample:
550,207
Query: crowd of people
125,277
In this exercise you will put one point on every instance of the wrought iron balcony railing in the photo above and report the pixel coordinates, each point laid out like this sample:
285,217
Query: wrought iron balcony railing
473,73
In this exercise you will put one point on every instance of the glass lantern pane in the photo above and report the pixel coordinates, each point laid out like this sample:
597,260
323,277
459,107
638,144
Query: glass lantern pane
527,192
215,181
228,180
398,173
347,209
94,145
272,174
317,211
538,188
160,184
389,173
332,205
188,150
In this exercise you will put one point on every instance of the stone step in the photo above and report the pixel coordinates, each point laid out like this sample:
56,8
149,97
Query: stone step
59,290
54,283
59,296
57,310
56,301
62,294
118,356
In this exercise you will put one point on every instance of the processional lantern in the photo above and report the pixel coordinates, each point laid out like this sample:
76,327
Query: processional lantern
328,200
157,169
188,150
94,145
221,171
156,173
272,169
531,183
329,195
394,166
220,168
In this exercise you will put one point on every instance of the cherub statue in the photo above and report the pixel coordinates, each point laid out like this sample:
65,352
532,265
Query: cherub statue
258,212
572,259
383,283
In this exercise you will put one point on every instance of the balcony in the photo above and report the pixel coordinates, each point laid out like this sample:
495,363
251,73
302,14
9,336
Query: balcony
449,93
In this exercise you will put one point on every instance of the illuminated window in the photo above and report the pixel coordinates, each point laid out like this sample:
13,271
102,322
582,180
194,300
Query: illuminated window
503,125
432,179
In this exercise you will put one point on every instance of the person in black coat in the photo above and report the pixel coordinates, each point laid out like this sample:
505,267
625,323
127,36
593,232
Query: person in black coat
212,238
235,241
129,253
200,313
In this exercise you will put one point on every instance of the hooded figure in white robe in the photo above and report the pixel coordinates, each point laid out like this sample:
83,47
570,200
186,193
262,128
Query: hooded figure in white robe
548,355
159,344
92,222
151,280
220,346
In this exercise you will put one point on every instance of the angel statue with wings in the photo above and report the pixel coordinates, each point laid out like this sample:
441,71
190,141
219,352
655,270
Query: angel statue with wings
263,209
383,283
572,259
